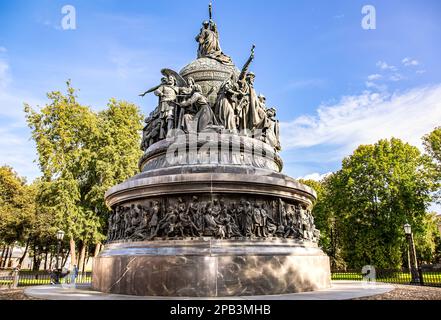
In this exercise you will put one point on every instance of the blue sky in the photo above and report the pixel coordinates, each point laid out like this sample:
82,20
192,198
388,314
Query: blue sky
334,84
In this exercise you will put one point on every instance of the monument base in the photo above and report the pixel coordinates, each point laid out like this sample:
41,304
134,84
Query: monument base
211,268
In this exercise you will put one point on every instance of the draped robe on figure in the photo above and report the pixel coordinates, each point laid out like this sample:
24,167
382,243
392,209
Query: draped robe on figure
209,45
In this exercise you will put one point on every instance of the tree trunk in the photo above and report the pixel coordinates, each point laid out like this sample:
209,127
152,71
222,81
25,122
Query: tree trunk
86,258
37,258
34,258
37,261
20,262
37,264
9,262
5,256
82,255
51,257
87,262
72,253
2,257
97,249
34,264
65,258
5,262
45,258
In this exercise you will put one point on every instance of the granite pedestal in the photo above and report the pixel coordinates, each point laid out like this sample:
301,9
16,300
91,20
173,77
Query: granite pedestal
210,268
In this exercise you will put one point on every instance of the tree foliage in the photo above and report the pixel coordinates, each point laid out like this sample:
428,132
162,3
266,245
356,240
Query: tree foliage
428,243
17,207
432,144
81,154
326,220
362,207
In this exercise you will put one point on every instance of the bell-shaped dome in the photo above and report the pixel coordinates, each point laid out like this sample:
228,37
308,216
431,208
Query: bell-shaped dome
209,74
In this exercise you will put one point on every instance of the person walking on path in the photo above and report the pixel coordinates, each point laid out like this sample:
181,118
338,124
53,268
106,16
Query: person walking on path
74,274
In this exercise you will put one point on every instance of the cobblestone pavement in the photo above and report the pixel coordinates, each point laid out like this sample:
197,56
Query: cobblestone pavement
407,292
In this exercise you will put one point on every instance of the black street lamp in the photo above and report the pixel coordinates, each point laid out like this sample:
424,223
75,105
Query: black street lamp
60,236
412,255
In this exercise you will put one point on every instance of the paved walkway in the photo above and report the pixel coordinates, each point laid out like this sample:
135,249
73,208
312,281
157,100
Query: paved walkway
340,290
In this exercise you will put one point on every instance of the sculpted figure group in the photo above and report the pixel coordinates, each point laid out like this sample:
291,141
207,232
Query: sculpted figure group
183,106
175,218
240,109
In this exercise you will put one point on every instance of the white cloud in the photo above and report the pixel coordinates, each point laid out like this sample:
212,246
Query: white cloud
371,84
375,76
396,77
315,176
410,62
421,71
365,119
374,85
384,66
3,50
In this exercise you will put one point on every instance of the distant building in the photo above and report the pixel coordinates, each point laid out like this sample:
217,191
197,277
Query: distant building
28,261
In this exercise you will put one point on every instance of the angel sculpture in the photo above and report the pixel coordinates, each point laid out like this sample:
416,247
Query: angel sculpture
172,84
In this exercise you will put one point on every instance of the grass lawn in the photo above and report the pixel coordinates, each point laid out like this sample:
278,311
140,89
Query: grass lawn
41,281
390,277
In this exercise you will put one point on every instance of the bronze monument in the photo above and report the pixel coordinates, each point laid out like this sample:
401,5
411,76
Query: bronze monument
210,213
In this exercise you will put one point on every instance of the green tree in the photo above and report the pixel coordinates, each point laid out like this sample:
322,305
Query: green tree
62,130
326,220
17,209
432,144
378,189
117,152
427,242
81,154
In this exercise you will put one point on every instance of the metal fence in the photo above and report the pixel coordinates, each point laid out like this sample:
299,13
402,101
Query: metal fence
430,278
14,279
